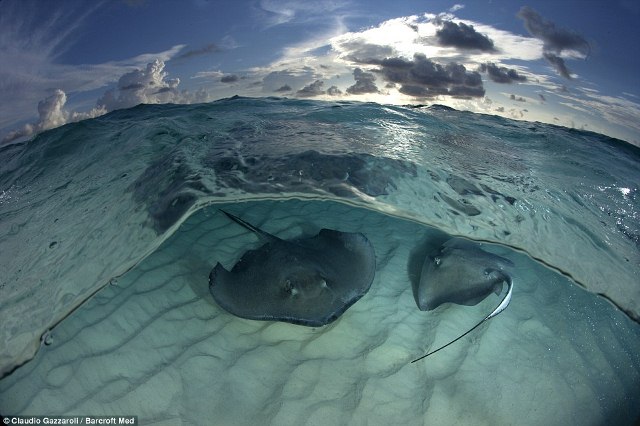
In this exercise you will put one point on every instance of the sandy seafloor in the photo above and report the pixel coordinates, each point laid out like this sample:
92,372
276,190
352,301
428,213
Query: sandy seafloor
154,344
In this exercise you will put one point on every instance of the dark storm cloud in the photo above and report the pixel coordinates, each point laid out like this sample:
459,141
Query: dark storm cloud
134,86
501,74
275,80
558,63
365,53
555,40
313,89
334,91
463,36
229,78
365,83
422,77
283,88
209,48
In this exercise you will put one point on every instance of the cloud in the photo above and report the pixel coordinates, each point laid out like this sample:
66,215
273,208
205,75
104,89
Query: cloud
229,78
361,51
422,77
205,50
334,91
519,98
226,43
619,111
463,36
365,83
405,36
542,98
34,41
291,77
558,63
209,74
555,40
51,114
51,110
147,85
283,88
313,89
501,74
278,12
32,38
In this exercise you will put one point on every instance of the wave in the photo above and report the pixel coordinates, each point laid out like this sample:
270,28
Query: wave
83,204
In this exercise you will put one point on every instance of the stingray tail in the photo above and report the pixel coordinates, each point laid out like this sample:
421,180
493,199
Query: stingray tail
249,226
501,307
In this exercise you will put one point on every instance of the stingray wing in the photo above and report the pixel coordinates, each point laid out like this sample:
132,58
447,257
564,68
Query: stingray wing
309,282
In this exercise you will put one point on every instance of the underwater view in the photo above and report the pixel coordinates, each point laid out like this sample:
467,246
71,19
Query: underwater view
371,254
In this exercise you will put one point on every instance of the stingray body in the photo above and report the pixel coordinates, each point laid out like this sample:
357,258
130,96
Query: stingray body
308,281
462,273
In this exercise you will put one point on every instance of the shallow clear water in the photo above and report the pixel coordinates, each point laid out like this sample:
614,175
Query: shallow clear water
86,203
155,343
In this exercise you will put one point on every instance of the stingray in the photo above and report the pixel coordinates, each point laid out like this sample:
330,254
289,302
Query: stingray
462,273
306,281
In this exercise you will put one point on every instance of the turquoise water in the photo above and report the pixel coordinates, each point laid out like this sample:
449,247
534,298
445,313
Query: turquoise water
130,199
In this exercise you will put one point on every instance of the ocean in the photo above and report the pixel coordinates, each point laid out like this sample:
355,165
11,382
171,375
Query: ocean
110,227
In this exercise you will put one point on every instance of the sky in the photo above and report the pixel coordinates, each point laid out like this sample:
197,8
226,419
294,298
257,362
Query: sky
572,63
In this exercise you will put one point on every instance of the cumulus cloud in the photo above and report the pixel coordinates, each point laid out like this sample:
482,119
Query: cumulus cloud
229,78
555,40
290,77
502,75
147,85
422,77
51,110
34,43
283,88
334,91
463,36
365,83
313,89
361,51
51,114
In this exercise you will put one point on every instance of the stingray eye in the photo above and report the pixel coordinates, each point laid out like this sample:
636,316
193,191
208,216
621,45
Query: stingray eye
487,271
288,287
437,260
